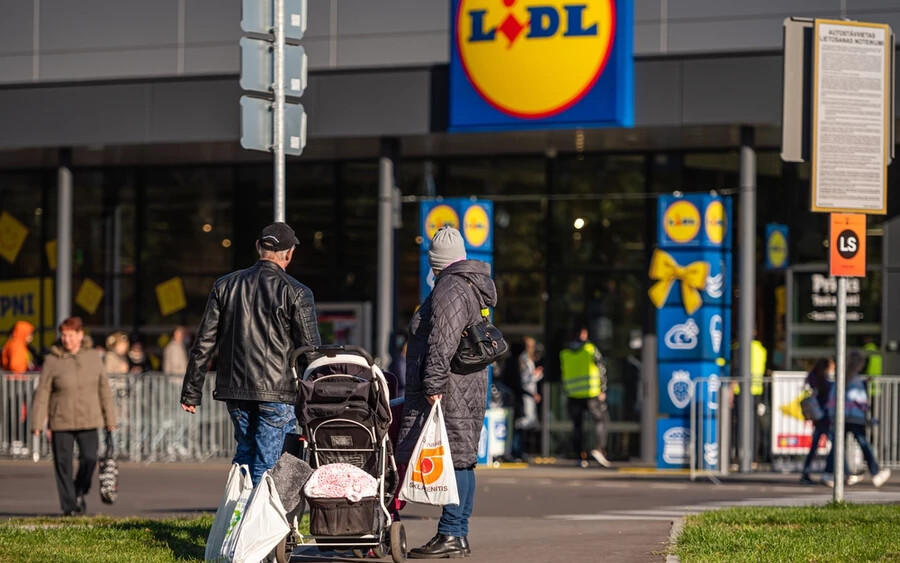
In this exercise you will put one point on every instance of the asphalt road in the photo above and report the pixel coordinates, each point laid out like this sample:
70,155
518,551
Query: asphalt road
536,514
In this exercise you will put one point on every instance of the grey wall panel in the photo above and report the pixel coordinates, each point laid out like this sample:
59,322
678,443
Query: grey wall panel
371,103
212,21
648,10
196,111
16,69
212,60
739,90
872,5
120,63
318,52
393,50
318,22
657,93
73,115
679,9
363,17
16,26
890,18
68,26
647,38
726,35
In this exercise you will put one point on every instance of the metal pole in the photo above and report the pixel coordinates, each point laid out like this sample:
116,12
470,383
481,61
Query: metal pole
64,240
840,361
649,399
278,125
385,250
748,291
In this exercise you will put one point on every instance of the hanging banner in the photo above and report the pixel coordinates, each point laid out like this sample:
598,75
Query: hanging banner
12,236
21,300
777,253
89,296
170,295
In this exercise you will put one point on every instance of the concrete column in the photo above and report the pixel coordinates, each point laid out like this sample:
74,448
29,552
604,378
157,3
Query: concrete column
747,313
64,238
385,323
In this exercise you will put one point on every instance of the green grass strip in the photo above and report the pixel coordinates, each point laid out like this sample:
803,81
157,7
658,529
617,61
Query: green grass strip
818,534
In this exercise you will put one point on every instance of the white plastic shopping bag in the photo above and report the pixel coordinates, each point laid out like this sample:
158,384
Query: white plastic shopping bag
238,479
430,478
236,514
264,524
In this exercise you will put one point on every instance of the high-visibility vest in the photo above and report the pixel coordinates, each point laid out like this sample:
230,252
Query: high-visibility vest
758,356
874,368
580,375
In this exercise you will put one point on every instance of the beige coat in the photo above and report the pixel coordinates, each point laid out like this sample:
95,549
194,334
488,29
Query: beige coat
76,390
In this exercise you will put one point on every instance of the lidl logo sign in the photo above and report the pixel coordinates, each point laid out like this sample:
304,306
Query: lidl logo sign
681,221
541,63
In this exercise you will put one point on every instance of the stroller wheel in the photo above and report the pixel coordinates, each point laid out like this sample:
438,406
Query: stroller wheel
398,542
360,554
284,549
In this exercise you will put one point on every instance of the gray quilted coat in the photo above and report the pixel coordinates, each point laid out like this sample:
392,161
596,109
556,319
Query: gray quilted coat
434,334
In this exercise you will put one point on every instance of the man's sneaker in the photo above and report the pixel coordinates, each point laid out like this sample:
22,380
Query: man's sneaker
881,477
601,459
828,480
854,479
804,479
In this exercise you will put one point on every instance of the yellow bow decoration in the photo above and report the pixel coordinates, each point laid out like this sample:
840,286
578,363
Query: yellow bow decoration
667,271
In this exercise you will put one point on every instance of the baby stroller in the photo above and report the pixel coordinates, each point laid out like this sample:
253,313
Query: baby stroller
344,412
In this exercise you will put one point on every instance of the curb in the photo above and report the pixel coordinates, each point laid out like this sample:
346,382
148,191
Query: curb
677,526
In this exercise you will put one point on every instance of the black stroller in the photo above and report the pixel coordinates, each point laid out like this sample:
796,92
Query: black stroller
344,411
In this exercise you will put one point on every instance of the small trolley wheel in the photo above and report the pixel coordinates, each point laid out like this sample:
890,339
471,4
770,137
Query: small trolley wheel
360,554
284,550
381,551
398,542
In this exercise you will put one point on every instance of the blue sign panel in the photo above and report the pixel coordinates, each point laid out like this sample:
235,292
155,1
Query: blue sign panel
777,249
694,221
676,387
673,443
539,64
704,335
704,274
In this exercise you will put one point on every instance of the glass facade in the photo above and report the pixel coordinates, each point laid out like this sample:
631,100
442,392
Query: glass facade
573,237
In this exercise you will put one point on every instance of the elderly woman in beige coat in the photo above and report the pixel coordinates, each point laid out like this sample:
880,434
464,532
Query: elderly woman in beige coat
74,390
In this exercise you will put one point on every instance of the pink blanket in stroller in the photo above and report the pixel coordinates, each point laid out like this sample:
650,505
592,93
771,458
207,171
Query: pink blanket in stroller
341,480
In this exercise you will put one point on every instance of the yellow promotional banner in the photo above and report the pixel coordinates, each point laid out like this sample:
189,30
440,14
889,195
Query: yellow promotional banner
50,249
12,236
89,296
21,300
170,295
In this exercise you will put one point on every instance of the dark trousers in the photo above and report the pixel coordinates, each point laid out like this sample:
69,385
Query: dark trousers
859,433
819,430
63,448
455,517
600,414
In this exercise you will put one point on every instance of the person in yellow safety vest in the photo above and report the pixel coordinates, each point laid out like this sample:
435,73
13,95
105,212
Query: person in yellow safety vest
758,356
584,382
874,366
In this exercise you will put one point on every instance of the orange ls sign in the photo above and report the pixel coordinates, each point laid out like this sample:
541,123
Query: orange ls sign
848,245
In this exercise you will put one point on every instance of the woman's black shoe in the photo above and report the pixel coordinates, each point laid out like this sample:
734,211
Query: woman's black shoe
464,543
440,547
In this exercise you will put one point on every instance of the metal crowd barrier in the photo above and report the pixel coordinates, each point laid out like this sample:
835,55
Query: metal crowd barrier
781,435
151,424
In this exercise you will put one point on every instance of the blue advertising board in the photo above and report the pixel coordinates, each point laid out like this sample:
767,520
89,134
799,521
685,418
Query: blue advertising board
673,443
705,335
676,387
541,64
777,248
695,221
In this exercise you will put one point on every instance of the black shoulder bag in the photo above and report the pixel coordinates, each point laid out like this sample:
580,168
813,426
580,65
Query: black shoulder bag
480,345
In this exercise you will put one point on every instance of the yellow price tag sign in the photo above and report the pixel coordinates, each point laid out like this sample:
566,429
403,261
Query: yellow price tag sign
51,248
12,236
170,295
89,296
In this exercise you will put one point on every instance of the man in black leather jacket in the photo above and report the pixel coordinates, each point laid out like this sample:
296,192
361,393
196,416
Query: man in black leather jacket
257,317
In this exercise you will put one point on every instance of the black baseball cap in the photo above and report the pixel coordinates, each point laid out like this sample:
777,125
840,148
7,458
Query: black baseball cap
277,236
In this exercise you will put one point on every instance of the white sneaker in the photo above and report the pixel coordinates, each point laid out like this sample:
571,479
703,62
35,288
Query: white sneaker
601,459
854,479
828,480
881,477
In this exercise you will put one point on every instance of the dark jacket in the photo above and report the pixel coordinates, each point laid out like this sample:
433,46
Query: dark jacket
434,334
73,391
257,317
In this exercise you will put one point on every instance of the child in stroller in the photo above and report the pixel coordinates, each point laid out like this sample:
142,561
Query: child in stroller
344,411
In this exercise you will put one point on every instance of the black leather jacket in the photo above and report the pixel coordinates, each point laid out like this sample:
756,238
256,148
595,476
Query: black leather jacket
257,317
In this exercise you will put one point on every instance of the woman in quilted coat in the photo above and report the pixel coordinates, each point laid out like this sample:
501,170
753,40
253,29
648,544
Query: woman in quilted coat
461,288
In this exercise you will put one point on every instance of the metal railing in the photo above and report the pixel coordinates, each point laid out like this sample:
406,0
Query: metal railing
151,424
789,436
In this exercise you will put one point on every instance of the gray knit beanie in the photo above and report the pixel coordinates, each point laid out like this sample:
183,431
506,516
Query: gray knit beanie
447,247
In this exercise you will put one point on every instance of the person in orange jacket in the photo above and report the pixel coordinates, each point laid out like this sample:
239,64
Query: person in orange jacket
16,357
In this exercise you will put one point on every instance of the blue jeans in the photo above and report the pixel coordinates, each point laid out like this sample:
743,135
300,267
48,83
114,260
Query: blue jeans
859,433
819,430
455,517
259,430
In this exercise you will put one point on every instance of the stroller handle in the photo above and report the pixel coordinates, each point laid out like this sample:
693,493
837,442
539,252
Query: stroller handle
332,350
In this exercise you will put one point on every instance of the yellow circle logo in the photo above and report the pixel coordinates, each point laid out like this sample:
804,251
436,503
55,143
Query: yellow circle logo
715,222
476,226
534,59
777,249
438,217
681,221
